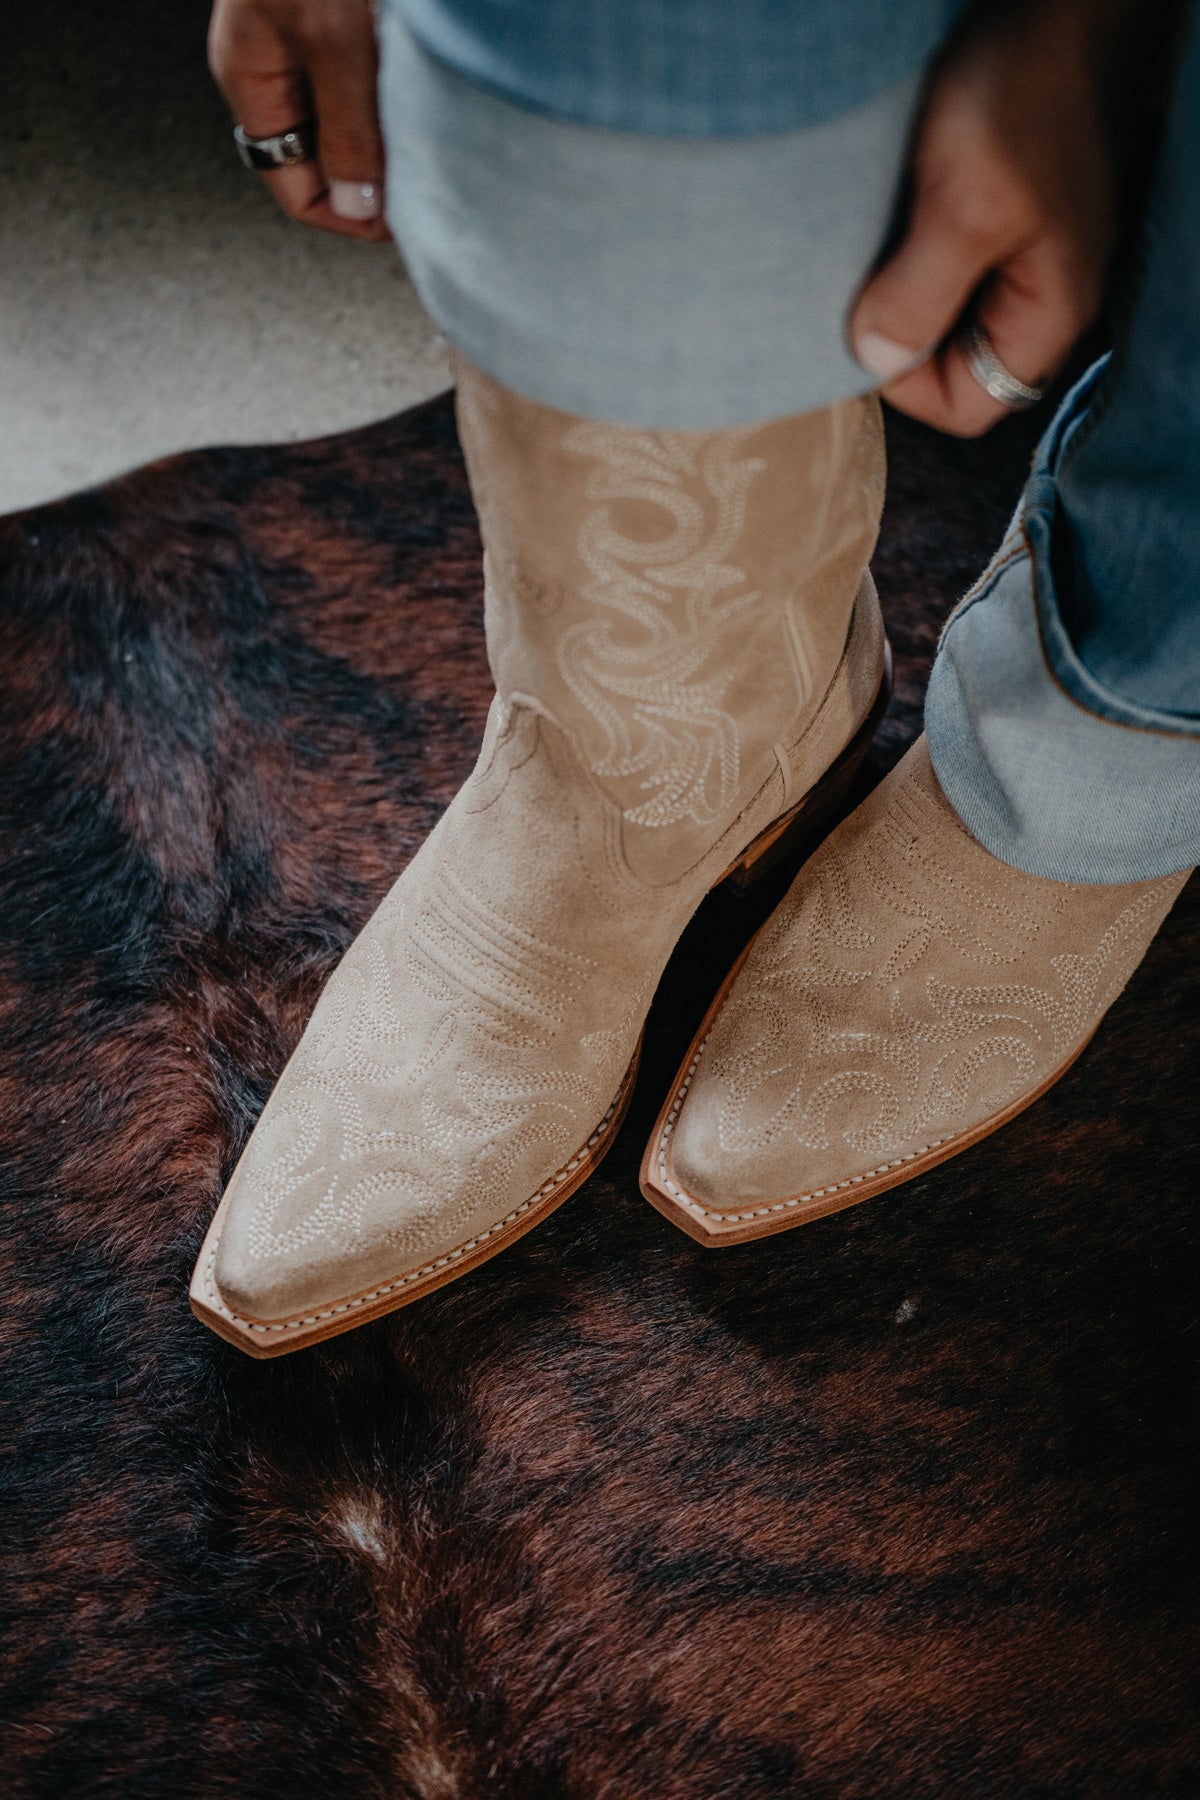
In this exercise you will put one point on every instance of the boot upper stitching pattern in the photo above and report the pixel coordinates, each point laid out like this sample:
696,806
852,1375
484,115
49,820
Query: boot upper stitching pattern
659,712
1027,1027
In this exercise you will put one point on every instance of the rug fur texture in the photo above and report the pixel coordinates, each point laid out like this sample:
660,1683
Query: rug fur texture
898,1506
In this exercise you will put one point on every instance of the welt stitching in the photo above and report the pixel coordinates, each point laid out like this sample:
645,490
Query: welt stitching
441,1262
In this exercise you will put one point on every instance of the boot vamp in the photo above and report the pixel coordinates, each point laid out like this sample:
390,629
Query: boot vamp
462,1054
909,988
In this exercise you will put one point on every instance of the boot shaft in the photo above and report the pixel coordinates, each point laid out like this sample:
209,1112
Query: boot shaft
675,602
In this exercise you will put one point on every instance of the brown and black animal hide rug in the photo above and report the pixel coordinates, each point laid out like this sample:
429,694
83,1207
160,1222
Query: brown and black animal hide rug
898,1506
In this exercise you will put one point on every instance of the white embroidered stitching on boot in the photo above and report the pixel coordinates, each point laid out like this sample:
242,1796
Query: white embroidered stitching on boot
515,986
656,690
857,1037
460,1068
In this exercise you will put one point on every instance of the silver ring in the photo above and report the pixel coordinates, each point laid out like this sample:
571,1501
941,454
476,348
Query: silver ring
992,375
295,145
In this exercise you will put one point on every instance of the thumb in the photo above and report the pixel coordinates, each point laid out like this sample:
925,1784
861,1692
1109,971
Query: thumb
349,141
916,299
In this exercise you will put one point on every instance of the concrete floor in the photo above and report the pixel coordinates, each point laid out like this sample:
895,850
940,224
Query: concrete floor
151,297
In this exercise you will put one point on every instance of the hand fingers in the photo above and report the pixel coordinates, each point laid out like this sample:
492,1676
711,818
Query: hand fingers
909,307
1033,310
268,86
342,73
267,93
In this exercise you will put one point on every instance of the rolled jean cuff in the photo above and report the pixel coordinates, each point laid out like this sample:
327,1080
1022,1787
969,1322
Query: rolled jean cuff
1050,770
678,283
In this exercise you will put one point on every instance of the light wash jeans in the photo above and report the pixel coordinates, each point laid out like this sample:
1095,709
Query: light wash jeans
663,281
683,68
1063,711
699,279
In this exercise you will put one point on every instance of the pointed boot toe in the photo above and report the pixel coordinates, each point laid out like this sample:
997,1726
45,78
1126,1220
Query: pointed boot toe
462,1074
297,1254
910,995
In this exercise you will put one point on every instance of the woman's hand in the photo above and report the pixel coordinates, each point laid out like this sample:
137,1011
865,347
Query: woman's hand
1013,215
279,62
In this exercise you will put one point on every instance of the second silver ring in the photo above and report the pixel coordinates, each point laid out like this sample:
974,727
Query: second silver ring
992,375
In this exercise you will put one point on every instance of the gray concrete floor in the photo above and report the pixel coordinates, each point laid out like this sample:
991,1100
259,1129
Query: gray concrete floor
151,297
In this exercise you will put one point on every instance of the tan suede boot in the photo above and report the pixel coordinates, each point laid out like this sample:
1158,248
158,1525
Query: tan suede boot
911,994
684,641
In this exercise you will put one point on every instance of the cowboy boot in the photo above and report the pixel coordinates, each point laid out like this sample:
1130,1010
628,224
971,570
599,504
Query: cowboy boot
688,655
911,994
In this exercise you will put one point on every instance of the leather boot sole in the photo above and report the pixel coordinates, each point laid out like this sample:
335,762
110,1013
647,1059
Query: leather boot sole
790,836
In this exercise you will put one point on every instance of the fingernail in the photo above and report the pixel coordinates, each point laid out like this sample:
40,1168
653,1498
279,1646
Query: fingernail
883,357
356,199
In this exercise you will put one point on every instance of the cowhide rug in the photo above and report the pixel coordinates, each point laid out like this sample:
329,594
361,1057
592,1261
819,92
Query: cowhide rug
900,1505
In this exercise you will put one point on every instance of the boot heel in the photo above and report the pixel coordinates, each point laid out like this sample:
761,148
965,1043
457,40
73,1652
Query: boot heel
797,832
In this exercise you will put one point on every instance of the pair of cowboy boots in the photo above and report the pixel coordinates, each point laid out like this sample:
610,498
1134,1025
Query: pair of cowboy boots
689,662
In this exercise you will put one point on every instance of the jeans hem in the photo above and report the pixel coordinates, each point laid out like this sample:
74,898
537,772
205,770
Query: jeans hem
1049,769
660,282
